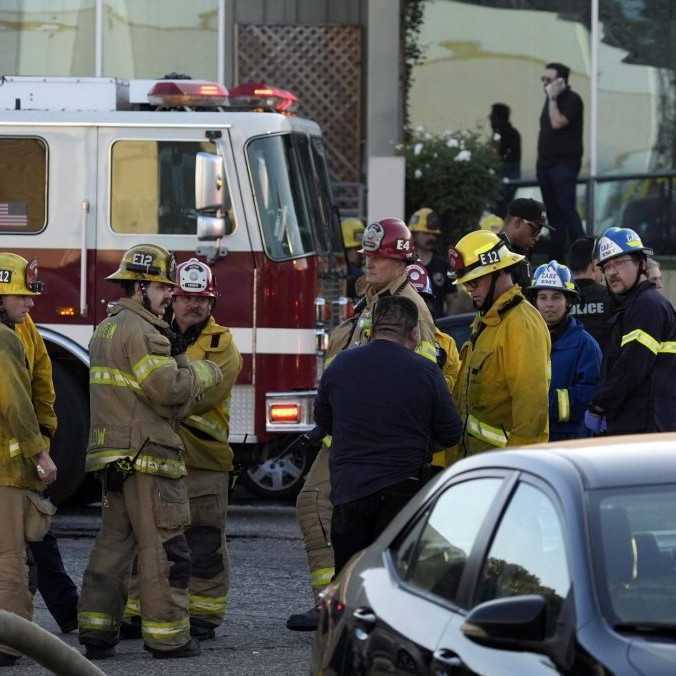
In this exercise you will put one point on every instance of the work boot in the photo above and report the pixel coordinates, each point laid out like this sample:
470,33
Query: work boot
99,652
202,631
131,629
7,660
68,626
190,649
308,621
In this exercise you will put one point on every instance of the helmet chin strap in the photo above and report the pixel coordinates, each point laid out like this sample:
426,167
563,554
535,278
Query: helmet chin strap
145,301
488,300
4,317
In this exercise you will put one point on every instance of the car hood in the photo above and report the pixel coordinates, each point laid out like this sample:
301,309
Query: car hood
653,657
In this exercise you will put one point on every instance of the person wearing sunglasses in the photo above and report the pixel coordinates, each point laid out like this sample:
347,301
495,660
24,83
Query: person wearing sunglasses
523,224
560,156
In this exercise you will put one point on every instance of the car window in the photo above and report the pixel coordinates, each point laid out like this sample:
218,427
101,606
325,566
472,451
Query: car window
432,555
635,554
527,555
23,185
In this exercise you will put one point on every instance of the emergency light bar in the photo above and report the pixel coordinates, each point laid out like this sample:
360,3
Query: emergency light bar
260,96
188,93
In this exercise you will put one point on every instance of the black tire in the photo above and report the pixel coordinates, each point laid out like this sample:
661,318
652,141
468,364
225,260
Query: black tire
278,476
70,443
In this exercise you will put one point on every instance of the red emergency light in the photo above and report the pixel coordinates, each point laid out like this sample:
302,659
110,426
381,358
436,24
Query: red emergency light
188,93
261,96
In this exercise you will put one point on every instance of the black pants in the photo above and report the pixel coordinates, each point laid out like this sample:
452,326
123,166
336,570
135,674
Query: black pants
559,189
54,583
355,525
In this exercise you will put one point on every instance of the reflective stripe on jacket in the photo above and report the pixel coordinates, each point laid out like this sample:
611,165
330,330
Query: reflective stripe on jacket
503,385
20,436
638,382
576,372
205,431
138,391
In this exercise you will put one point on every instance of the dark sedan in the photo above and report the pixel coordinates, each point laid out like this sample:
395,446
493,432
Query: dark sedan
560,559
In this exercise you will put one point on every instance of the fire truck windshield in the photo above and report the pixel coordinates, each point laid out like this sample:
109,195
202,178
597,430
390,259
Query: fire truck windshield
292,196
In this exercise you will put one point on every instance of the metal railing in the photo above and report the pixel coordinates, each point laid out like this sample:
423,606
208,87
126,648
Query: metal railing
646,205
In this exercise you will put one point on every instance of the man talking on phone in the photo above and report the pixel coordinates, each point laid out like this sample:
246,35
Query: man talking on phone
560,157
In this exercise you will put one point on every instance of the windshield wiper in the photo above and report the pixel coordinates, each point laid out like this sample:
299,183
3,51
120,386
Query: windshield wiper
652,628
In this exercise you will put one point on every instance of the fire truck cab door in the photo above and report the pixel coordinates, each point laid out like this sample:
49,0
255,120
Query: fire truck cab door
147,195
47,199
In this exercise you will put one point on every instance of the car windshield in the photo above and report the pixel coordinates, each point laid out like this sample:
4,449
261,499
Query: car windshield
635,555
292,196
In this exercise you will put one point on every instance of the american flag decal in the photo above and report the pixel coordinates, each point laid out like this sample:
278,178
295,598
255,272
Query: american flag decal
13,215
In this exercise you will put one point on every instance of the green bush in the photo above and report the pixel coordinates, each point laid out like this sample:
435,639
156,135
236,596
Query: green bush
454,173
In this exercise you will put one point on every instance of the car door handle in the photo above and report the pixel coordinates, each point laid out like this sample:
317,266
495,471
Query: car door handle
365,616
447,657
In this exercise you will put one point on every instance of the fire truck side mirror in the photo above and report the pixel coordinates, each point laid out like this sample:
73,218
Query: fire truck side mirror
209,182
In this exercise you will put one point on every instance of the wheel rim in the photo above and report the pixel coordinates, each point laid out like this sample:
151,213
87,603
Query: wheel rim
279,474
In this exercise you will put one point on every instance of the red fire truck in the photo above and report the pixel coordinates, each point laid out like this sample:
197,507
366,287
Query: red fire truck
92,166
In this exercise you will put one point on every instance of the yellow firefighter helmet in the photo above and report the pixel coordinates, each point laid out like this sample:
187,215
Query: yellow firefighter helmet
146,263
353,230
492,223
19,277
480,253
425,220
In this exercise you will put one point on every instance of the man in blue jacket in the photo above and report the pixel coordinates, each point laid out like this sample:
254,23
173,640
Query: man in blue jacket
638,382
387,409
576,356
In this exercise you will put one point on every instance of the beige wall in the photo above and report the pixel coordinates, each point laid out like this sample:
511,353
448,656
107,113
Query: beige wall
476,56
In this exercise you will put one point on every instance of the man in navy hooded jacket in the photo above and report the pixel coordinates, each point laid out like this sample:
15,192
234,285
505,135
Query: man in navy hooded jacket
576,356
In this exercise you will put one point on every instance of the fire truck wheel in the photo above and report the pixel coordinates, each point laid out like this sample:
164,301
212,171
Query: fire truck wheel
279,476
70,442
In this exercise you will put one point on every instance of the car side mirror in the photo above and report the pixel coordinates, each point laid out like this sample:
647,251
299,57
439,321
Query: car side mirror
512,623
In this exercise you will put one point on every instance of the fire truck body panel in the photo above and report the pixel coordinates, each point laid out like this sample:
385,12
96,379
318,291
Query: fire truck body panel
113,179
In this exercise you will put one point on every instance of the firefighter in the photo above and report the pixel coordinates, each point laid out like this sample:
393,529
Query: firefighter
448,358
141,383
576,356
25,465
208,455
524,222
55,585
353,229
388,247
503,385
638,376
426,228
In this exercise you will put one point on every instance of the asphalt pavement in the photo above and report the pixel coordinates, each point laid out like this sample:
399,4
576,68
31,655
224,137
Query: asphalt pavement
269,580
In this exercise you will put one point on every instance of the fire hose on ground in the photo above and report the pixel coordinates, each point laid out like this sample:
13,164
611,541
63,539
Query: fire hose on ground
46,649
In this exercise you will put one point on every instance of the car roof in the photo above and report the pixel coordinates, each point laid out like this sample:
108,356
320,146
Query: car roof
601,462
